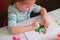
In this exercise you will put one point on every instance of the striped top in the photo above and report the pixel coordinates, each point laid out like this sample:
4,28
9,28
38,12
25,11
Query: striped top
15,16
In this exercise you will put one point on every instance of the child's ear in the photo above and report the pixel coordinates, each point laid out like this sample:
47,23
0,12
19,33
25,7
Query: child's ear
17,4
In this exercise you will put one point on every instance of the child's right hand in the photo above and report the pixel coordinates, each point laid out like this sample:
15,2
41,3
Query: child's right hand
35,25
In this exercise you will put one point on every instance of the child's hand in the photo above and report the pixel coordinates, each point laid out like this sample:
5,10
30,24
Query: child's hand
35,25
46,22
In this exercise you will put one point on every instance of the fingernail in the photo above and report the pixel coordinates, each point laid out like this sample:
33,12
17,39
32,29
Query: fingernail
44,32
47,27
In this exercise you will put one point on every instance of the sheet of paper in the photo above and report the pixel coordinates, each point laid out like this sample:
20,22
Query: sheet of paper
52,29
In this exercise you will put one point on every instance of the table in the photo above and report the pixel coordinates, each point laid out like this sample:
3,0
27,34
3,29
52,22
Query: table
55,14
4,34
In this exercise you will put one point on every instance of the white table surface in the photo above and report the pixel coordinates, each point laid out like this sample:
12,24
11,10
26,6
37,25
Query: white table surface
53,29
55,14
4,34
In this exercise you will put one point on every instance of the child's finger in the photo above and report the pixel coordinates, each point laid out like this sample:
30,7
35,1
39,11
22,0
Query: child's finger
45,29
46,24
44,32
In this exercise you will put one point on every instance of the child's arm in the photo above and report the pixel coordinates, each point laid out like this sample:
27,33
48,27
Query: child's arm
20,29
43,12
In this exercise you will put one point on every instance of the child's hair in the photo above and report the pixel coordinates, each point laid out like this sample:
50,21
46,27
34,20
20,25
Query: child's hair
14,1
19,0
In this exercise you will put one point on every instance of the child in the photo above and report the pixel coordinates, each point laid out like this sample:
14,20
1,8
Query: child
21,11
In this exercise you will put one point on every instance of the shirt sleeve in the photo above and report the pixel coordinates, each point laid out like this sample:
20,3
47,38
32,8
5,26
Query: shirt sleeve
36,8
12,19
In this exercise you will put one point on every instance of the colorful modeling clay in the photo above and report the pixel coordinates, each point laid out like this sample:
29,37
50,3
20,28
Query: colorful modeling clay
18,38
40,29
15,38
58,37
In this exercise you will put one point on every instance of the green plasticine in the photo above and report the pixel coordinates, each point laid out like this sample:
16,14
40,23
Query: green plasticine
40,29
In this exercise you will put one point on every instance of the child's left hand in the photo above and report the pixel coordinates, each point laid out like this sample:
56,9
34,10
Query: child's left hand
46,22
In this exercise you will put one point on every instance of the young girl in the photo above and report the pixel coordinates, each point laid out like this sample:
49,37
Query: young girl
21,11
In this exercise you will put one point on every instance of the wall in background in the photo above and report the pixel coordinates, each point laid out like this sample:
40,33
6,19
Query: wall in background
48,4
3,5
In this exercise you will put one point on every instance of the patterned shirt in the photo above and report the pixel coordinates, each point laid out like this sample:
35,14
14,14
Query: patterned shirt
15,16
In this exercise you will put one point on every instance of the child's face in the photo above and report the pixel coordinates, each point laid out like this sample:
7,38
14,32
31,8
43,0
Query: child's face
25,6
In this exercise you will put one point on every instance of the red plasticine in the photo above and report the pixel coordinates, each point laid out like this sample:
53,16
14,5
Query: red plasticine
18,38
58,37
14,38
